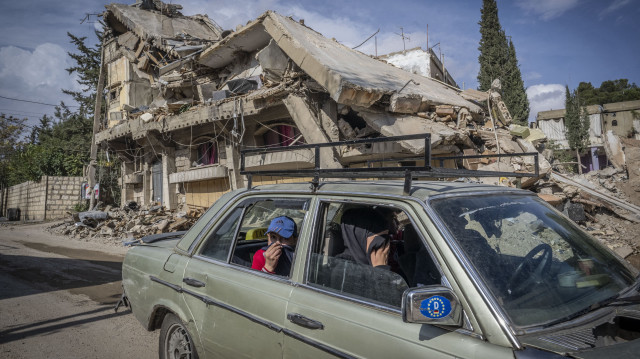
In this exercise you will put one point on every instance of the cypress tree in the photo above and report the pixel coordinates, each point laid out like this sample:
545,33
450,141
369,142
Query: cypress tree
498,61
514,93
576,121
493,46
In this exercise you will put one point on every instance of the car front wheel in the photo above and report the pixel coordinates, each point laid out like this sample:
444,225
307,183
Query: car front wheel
175,341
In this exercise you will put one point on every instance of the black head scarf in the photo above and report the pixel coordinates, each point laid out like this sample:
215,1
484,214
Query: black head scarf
358,224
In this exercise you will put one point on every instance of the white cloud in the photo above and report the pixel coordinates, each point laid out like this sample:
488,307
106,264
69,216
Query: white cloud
547,9
37,75
229,13
545,97
617,4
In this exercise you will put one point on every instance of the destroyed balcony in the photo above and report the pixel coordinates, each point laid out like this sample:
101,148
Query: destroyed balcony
290,160
374,151
199,174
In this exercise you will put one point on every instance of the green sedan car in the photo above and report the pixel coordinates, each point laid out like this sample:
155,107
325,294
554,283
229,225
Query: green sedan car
463,271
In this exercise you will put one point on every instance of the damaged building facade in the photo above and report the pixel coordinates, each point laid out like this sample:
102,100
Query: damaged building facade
607,124
184,97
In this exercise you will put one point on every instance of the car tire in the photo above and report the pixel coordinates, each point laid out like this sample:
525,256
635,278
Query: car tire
175,341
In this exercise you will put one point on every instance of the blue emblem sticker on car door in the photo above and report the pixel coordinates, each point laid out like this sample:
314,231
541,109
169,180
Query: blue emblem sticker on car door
435,307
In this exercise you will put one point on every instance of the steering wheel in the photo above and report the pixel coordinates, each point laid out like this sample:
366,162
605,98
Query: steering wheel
531,270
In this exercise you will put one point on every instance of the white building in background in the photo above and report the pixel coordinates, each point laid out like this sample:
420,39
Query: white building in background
420,62
620,119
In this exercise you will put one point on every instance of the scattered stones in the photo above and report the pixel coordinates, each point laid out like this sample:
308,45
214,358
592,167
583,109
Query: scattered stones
128,222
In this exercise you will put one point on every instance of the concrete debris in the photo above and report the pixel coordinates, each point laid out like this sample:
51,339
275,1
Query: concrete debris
536,136
588,190
273,61
598,202
613,148
114,224
520,131
551,199
575,211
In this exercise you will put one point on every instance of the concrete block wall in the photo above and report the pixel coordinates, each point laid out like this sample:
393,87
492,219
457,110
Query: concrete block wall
27,196
62,195
50,198
183,159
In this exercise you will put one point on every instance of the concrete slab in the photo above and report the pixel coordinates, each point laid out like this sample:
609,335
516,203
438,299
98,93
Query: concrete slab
351,77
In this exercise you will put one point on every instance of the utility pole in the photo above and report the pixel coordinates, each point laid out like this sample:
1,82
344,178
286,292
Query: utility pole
376,46
444,71
404,46
427,37
96,128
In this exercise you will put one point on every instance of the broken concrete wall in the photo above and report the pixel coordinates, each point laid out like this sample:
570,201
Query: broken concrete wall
614,150
273,61
301,114
443,138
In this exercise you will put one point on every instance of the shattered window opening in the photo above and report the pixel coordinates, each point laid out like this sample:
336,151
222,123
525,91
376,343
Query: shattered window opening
280,134
205,152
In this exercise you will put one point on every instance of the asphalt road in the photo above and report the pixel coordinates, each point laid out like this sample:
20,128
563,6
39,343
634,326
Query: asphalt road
57,297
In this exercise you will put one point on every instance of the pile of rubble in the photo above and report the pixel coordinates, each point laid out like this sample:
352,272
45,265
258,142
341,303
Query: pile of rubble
131,222
598,202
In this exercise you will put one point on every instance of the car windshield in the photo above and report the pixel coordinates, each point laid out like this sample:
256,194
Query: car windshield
538,264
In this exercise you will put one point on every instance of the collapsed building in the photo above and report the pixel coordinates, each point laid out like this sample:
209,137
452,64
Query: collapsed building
184,97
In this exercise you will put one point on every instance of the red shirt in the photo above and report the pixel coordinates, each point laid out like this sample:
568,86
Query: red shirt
259,261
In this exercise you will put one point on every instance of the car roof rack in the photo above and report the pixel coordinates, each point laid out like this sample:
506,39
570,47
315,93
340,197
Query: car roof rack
408,172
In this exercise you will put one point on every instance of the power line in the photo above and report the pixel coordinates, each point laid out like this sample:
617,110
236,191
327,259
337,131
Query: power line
36,102
18,111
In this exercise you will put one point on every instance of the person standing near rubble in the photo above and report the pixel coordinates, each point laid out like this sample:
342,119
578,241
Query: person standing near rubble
277,256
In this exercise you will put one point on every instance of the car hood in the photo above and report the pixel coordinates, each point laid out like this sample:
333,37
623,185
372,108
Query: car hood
612,332
619,351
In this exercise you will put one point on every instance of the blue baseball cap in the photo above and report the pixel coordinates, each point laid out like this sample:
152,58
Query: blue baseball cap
284,226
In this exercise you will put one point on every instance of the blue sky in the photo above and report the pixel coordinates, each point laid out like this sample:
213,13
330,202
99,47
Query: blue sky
557,42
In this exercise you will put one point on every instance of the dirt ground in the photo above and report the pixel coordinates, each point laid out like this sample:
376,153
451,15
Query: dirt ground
57,297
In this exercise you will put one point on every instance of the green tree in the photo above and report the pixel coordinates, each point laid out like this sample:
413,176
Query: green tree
60,145
514,93
576,120
493,46
42,130
498,61
87,67
609,91
11,131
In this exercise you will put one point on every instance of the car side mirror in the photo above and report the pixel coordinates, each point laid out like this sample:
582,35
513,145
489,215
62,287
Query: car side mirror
432,304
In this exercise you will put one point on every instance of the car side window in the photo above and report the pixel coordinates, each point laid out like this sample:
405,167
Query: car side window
218,243
252,237
244,231
343,258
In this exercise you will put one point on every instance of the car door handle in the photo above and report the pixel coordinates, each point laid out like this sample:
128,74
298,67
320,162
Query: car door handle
193,282
303,321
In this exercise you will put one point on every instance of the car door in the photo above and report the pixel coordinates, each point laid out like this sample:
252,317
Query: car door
334,313
239,312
